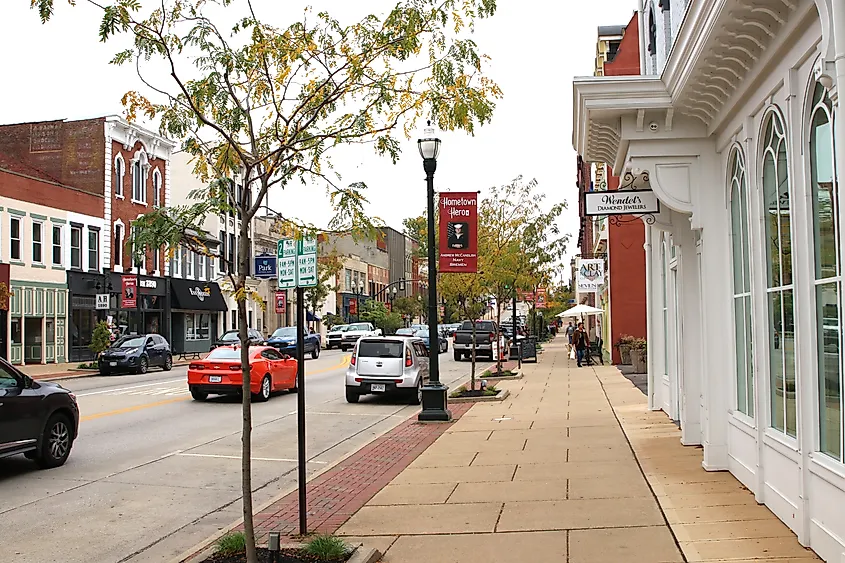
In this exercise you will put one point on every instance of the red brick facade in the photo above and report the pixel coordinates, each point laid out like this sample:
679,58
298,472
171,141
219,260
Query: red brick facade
19,183
627,59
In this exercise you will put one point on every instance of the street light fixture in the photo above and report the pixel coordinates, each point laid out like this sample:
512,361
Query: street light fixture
434,401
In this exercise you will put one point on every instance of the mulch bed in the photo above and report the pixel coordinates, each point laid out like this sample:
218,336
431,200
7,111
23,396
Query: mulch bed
475,393
285,556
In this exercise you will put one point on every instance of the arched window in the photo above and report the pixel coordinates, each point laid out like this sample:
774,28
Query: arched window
828,273
780,293
742,285
119,173
156,188
140,168
118,244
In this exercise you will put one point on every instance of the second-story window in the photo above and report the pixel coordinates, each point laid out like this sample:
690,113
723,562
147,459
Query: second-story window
140,167
156,188
76,247
188,258
118,245
93,249
57,245
37,242
119,173
15,238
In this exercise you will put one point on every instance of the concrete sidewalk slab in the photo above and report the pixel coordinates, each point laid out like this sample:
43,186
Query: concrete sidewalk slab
623,544
422,519
489,548
579,514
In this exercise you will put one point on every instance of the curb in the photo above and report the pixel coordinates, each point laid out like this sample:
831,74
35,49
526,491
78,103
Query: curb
500,396
76,373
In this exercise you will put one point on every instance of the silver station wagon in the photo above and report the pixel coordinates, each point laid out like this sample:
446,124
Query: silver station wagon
387,364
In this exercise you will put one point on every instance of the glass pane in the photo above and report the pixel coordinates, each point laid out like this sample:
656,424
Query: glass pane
830,391
789,363
746,260
776,361
785,217
770,199
741,375
736,239
749,355
824,196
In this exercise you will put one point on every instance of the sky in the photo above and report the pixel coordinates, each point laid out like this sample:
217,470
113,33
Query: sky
60,70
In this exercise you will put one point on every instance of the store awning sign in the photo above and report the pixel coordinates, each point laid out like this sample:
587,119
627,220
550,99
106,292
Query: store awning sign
622,202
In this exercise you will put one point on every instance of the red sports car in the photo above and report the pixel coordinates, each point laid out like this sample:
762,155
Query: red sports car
220,373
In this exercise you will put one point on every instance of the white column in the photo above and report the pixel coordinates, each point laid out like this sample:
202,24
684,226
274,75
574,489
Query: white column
690,318
649,317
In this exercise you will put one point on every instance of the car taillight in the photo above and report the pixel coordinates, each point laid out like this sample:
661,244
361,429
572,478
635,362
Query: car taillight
492,337
408,361
352,360
196,366
235,367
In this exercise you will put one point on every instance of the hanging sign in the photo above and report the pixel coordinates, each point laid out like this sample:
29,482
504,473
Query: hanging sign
540,301
590,274
622,202
102,301
129,292
265,267
281,302
458,232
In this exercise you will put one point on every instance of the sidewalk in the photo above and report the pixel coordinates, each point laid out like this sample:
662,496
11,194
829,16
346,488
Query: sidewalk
67,370
549,475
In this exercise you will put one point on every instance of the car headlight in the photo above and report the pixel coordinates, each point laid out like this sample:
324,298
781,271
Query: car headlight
132,351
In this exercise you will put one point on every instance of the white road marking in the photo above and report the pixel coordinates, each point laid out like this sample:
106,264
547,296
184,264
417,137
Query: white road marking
358,414
218,456
105,391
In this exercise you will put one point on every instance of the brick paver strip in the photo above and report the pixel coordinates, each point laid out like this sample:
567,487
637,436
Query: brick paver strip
337,494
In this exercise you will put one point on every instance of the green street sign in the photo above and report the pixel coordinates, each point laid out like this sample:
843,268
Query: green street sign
297,263
286,263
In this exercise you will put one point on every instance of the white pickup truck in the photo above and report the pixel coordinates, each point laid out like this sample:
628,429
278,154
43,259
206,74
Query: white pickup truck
356,331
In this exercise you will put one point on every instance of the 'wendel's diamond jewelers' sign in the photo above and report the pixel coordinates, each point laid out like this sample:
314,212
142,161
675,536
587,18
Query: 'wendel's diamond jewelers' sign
623,202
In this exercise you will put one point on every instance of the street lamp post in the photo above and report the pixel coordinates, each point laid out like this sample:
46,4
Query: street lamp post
434,399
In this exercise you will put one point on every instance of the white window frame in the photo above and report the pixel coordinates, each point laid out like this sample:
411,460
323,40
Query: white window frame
61,246
95,267
140,170
81,248
156,263
189,264
119,230
40,243
119,175
156,188
176,264
19,239
201,273
195,327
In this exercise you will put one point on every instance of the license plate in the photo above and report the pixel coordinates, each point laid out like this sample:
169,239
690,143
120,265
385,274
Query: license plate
112,364
215,379
377,387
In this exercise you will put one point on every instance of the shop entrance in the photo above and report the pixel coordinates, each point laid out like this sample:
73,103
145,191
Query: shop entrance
34,340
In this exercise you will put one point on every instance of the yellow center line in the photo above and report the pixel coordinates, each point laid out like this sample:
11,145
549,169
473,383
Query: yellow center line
344,363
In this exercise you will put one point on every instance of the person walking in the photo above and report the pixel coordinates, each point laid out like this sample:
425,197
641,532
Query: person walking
570,330
581,341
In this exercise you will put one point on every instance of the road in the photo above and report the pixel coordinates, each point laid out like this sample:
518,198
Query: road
153,472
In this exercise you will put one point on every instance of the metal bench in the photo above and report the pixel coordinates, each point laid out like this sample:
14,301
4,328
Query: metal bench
190,356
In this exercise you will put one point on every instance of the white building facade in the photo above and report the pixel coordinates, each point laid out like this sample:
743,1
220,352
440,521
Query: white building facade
735,126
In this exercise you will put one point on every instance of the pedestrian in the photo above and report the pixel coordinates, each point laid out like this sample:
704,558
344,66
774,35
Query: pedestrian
570,330
581,340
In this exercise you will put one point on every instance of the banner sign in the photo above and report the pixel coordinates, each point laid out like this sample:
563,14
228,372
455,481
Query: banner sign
353,306
623,202
540,301
458,232
281,302
129,292
590,274
265,267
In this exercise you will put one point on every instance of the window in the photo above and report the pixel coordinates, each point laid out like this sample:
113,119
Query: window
119,172
37,242
155,260
118,245
222,251
137,254
209,267
231,268
140,167
201,267
234,319
57,245
15,238
8,380
828,278
156,188
93,249
197,327
778,219
742,286
347,280
188,259
176,264
198,270
76,247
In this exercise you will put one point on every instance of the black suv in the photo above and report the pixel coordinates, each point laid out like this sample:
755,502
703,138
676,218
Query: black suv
232,337
37,419
138,353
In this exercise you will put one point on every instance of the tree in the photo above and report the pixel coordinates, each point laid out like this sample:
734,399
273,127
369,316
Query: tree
265,104
407,306
467,293
376,312
328,267
100,338
417,229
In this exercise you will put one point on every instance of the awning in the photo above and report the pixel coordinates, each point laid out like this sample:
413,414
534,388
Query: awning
311,317
192,295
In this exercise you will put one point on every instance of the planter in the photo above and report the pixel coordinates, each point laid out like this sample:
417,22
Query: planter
500,396
638,361
625,353
293,554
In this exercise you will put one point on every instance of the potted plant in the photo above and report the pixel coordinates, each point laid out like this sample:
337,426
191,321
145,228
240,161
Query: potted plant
624,345
639,355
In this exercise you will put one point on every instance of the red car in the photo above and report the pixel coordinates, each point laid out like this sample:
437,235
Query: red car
220,373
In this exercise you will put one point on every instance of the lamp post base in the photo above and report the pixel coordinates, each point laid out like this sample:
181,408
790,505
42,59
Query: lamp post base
434,402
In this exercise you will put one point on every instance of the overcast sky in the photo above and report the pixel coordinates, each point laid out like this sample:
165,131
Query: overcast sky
60,70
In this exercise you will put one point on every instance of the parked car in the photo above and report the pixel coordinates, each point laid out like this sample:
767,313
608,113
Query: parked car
443,344
232,337
387,364
406,332
220,373
356,331
37,419
485,335
335,335
136,353
284,340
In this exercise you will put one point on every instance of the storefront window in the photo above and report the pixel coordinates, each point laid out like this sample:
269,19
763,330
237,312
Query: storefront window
742,286
197,326
778,219
828,274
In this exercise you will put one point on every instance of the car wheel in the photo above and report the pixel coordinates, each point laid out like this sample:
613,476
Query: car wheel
198,395
315,353
55,443
168,363
352,396
457,356
416,394
343,348
104,371
264,394
143,365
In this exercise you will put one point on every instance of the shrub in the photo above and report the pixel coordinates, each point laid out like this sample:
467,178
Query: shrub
232,543
100,338
326,548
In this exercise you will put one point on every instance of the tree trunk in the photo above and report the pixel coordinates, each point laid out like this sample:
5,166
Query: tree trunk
472,354
246,398
498,335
